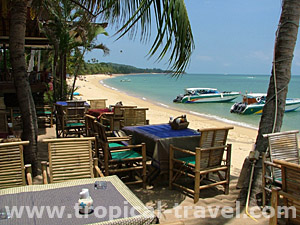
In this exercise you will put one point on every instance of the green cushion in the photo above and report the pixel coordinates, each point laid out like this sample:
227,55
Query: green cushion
124,155
113,145
189,159
74,124
16,114
43,112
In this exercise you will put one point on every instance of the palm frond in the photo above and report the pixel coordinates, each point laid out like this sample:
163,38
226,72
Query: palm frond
174,34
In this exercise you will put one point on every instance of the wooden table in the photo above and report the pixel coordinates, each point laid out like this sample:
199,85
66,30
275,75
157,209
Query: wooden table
114,203
158,139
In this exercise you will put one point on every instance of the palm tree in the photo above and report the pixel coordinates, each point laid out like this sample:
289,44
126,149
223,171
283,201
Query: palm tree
171,21
18,17
273,111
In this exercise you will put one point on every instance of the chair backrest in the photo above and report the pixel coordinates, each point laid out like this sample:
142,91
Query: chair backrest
135,116
140,116
283,146
129,117
211,157
290,185
70,158
102,141
212,137
3,121
75,103
12,168
90,125
97,103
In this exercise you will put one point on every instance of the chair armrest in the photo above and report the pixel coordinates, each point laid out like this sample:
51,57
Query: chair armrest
28,172
44,172
182,150
97,169
114,139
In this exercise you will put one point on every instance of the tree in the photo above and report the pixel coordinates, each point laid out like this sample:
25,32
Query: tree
171,20
273,111
18,17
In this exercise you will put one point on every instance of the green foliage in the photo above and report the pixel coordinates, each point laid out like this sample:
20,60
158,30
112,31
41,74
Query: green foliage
113,68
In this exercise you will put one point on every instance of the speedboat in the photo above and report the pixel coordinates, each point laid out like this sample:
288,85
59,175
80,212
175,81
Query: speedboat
253,104
201,95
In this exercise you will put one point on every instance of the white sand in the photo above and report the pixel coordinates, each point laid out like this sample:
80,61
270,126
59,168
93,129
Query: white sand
241,138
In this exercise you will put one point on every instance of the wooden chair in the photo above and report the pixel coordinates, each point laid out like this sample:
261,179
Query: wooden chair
290,192
118,157
13,172
3,123
97,103
70,158
206,159
70,121
282,146
45,111
90,125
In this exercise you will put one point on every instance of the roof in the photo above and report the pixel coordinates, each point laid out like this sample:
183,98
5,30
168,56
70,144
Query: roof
255,95
33,36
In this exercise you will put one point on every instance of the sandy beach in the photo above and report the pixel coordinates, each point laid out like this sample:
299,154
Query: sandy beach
241,138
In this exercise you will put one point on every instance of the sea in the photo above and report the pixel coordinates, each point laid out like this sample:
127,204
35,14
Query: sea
161,89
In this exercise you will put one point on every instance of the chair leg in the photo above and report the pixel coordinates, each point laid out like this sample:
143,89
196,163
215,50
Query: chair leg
197,176
197,187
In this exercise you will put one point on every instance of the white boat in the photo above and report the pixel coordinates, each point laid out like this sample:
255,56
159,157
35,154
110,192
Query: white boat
125,80
202,95
253,104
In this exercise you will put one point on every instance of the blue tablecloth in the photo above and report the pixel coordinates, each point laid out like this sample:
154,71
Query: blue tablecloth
64,103
165,131
158,139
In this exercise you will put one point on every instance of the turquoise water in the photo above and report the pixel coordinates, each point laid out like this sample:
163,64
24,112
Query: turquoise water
162,89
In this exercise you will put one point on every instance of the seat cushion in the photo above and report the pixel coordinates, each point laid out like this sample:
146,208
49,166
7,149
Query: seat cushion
114,145
74,124
124,155
189,159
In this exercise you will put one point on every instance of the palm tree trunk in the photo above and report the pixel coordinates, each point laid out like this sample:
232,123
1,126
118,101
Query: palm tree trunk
16,44
273,111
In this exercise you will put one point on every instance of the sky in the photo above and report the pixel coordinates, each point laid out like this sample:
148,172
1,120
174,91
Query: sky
231,37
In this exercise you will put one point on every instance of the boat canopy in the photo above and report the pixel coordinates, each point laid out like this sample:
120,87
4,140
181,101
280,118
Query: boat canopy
256,95
200,90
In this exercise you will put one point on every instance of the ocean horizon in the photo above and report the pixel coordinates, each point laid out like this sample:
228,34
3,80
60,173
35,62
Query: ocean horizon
161,89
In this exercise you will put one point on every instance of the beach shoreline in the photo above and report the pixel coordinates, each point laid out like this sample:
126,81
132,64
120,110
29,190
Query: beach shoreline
242,138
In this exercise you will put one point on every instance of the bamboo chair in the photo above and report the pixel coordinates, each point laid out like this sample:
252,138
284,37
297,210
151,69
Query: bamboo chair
69,159
290,192
97,103
70,121
212,156
282,146
118,156
90,125
13,172
45,111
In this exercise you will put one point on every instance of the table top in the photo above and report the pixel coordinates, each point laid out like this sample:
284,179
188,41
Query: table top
158,131
113,203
